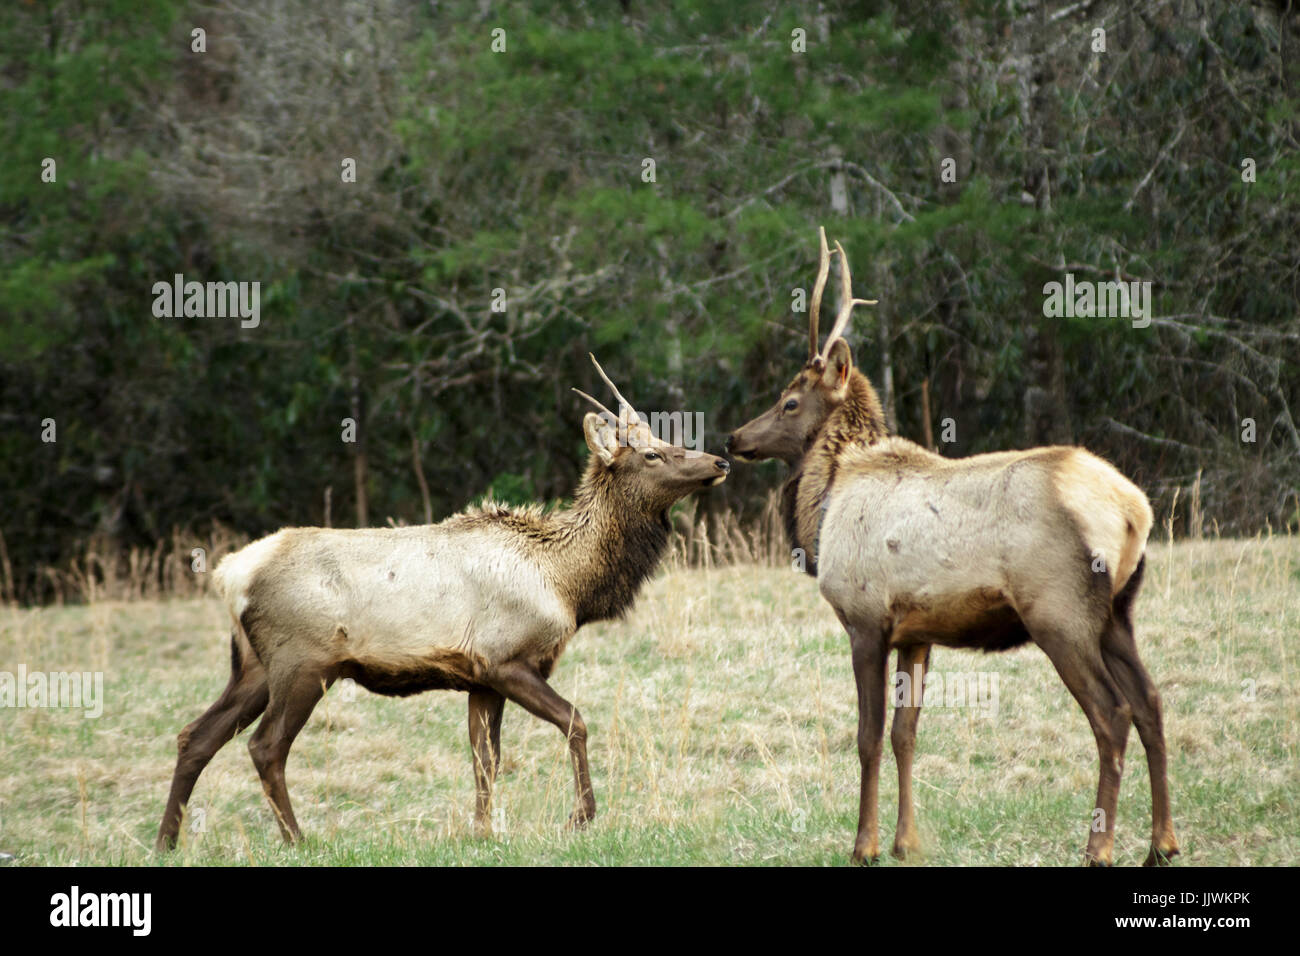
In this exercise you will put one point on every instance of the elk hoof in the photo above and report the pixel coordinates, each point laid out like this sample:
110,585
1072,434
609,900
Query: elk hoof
1161,857
579,819
906,850
866,857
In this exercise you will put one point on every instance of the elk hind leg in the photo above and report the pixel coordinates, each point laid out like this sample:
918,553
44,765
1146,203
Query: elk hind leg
244,698
294,694
1075,651
1120,653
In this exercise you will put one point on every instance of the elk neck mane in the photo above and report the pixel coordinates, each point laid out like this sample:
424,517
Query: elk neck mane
597,552
857,422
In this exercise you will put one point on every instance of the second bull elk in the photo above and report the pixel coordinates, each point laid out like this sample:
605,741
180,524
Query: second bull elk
912,549
484,602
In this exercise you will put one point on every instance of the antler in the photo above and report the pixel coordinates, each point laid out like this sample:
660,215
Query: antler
594,402
823,270
847,302
633,417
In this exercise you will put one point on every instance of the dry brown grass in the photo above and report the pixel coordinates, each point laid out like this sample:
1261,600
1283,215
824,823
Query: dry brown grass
105,571
722,722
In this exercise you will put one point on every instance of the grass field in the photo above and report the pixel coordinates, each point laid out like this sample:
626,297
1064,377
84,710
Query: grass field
722,722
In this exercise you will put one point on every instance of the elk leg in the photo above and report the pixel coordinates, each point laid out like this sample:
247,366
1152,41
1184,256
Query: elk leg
913,661
293,697
1077,658
525,686
870,663
495,735
485,708
238,706
1119,650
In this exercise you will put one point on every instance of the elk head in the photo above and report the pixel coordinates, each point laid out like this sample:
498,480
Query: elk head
786,429
649,470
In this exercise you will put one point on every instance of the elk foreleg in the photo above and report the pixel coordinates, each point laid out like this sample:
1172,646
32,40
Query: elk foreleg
485,709
870,660
913,661
523,683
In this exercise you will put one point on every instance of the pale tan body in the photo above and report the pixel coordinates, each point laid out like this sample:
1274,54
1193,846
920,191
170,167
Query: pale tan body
913,549
934,545
385,598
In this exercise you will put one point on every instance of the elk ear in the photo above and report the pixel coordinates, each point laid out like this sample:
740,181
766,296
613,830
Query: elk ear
839,363
602,439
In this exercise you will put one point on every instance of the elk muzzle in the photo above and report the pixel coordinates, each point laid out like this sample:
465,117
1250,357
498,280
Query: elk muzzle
721,468
750,442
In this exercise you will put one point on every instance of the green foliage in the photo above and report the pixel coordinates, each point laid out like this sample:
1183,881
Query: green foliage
523,172
512,489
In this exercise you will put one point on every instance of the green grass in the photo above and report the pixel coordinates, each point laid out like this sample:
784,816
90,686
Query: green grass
722,722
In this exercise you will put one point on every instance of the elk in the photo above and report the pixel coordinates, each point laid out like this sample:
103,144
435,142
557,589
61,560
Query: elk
484,602
989,552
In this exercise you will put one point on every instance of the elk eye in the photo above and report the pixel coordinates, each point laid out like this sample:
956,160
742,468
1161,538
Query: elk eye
651,456
791,405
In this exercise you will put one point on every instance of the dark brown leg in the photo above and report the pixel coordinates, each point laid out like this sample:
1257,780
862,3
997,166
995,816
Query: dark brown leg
485,709
1119,650
293,697
870,663
243,699
913,661
1077,658
525,686
496,736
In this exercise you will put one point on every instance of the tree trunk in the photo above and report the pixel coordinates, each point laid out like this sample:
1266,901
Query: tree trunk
360,466
418,465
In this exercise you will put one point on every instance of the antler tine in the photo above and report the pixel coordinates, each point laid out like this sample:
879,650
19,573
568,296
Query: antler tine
814,310
847,302
594,402
634,417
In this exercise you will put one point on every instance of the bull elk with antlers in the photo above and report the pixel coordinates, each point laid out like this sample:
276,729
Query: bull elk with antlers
912,549
484,602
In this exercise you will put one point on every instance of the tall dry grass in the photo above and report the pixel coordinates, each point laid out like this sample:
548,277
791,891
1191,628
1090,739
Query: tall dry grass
175,567
106,571
723,720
